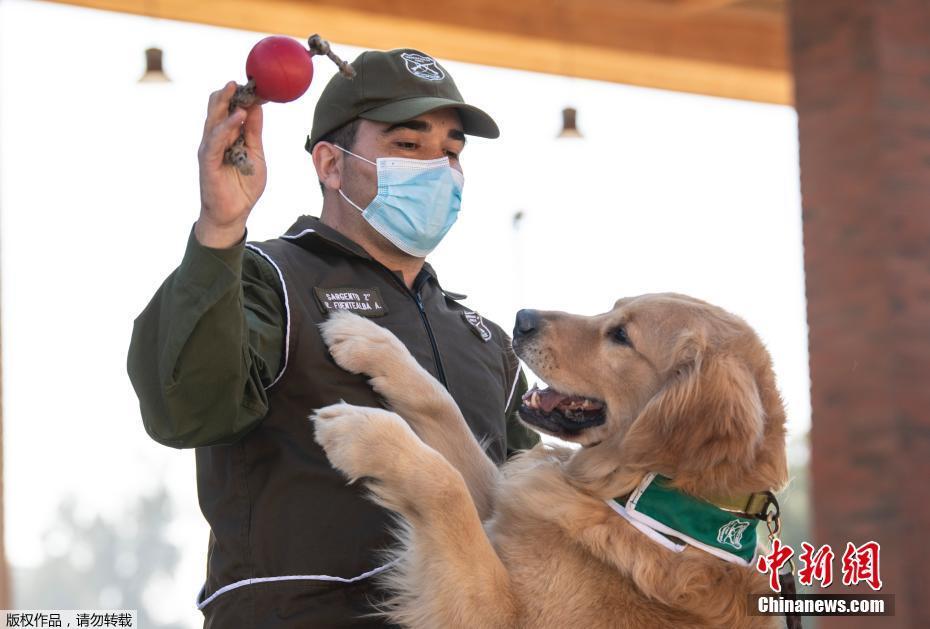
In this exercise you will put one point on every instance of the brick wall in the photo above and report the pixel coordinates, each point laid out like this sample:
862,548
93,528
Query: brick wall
862,72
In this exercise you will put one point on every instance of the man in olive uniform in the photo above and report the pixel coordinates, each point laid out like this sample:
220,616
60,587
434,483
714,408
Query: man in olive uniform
227,357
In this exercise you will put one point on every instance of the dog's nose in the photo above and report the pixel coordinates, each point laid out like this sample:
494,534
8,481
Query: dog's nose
527,323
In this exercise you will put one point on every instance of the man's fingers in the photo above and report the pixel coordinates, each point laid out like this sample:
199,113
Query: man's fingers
223,135
253,127
229,129
218,106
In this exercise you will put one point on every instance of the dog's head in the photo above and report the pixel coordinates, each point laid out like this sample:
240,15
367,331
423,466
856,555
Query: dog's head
662,383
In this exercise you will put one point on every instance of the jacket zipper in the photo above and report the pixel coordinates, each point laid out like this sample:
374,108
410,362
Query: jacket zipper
432,340
416,298
429,330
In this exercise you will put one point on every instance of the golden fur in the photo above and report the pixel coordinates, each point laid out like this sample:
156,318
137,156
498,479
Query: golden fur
534,545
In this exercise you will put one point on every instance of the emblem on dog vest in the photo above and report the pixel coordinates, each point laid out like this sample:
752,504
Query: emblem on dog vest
366,302
423,67
474,320
731,533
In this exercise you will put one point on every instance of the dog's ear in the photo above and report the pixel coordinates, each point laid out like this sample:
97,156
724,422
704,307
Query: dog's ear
704,426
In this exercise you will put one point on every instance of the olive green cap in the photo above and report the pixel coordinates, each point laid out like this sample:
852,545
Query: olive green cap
393,86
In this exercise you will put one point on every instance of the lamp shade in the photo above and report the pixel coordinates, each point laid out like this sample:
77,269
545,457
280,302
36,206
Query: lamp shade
569,125
154,72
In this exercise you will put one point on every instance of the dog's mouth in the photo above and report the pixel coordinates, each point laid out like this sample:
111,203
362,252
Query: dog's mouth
561,414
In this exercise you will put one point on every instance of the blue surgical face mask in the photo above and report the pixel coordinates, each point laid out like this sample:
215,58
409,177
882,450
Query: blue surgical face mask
418,201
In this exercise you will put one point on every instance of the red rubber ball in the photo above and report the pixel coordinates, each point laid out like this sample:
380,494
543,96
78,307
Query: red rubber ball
281,67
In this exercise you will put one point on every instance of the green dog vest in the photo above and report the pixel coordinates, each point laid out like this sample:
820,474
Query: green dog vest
677,520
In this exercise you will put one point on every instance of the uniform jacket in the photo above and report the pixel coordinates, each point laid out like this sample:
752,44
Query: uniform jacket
291,544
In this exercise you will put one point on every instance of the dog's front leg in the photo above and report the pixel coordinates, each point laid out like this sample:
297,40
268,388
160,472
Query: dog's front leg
360,346
449,574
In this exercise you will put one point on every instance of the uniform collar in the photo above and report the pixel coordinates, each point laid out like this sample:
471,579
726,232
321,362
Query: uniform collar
310,232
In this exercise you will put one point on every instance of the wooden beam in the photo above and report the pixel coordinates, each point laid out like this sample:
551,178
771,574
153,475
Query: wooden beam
730,49
695,6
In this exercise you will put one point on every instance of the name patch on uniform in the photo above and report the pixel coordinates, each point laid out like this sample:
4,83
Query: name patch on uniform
366,302
474,320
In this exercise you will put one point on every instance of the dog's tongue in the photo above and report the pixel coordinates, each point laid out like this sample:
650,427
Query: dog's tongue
545,399
549,399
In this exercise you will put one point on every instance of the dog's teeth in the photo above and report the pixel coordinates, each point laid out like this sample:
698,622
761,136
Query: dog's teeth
534,399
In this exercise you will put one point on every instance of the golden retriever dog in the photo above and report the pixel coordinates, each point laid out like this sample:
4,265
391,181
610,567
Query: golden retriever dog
661,384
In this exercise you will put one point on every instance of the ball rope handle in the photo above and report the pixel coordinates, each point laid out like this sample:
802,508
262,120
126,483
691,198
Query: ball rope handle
319,46
245,97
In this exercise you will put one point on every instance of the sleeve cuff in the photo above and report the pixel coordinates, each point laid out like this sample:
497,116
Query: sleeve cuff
202,265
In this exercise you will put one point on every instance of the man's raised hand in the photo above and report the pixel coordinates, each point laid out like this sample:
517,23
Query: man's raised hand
226,195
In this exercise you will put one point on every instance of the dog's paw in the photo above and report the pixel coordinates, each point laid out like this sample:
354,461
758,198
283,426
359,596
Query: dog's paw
361,441
360,346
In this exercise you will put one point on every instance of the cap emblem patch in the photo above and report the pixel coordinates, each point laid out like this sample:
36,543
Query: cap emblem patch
423,67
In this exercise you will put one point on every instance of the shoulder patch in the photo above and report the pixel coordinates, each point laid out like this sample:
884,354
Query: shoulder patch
476,323
366,302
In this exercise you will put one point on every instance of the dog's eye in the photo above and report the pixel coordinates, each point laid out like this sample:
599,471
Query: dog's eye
618,335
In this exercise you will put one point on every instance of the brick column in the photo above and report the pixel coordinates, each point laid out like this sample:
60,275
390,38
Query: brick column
862,72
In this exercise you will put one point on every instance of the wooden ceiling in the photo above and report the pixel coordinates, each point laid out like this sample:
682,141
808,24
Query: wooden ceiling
731,48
